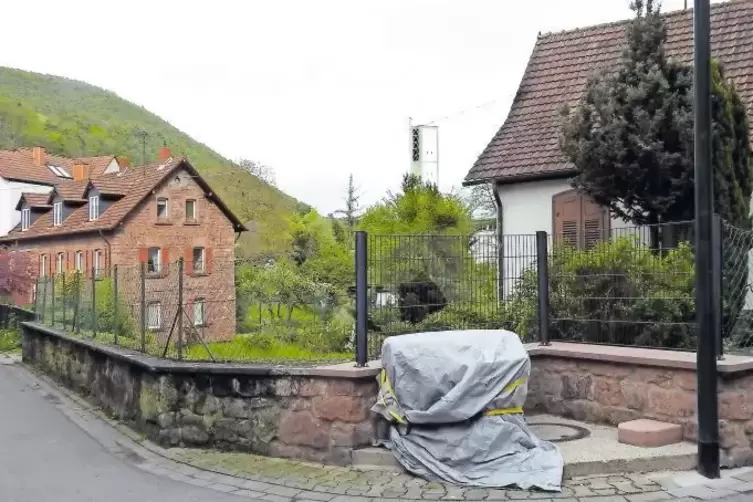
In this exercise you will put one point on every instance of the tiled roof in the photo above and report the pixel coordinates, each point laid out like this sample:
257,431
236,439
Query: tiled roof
18,165
36,199
527,144
72,190
134,184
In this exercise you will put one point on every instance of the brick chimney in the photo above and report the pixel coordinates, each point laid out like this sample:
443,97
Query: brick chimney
38,156
80,171
164,154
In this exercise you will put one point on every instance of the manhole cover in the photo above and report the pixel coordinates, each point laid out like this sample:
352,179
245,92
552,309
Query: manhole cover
558,433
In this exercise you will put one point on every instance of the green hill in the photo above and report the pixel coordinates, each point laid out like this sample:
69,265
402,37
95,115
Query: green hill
74,119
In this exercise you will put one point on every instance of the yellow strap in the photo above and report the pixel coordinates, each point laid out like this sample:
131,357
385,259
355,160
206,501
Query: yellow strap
515,410
514,385
384,382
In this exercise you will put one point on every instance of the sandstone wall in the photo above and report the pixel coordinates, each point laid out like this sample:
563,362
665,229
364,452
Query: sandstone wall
310,414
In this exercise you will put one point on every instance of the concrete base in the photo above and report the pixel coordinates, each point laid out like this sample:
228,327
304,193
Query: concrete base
598,453
649,433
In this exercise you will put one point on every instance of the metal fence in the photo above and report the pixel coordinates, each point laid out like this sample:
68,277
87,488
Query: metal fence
623,286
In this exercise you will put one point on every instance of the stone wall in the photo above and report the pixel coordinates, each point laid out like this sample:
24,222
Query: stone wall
318,414
616,384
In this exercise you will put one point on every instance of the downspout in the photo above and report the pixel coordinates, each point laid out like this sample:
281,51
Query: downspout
109,247
500,244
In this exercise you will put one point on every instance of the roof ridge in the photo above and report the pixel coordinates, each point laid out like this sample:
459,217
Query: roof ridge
614,24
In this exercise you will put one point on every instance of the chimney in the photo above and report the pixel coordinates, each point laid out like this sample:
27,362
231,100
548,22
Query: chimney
38,156
80,171
164,154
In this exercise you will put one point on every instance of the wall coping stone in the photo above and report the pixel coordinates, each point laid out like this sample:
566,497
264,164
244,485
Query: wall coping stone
346,370
660,358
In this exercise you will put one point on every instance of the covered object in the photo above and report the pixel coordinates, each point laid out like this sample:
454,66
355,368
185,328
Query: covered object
455,403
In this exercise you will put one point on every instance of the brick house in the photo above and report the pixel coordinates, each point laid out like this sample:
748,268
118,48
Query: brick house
146,217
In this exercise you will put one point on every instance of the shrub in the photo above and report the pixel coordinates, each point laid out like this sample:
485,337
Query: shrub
618,292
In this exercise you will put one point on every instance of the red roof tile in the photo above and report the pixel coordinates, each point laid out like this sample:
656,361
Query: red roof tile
527,144
18,165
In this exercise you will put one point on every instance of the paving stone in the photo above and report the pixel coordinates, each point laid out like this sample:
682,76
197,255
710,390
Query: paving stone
744,476
283,491
605,491
249,494
650,497
702,492
221,487
270,497
608,498
477,494
497,495
582,491
256,486
312,496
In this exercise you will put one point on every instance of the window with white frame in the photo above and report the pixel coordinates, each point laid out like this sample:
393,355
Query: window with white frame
93,207
162,210
199,312
153,260
60,263
57,214
79,261
191,210
43,266
153,315
25,218
98,261
199,260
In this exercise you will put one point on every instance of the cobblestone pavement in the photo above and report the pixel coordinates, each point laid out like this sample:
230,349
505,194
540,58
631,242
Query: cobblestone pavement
259,478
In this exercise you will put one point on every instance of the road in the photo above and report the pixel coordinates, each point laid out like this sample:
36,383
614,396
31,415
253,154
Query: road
46,457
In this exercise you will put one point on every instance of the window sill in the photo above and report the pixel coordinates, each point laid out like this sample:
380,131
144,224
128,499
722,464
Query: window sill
162,223
156,275
204,325
191,223
198,274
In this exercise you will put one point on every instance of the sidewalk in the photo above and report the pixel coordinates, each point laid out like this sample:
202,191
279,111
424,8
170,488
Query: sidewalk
275,480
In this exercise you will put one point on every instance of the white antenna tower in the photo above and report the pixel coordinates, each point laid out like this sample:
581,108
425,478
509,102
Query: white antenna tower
424,151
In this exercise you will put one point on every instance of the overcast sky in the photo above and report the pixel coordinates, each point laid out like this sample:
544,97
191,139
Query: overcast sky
314,89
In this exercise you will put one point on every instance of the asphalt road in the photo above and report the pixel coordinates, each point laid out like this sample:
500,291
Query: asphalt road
46,457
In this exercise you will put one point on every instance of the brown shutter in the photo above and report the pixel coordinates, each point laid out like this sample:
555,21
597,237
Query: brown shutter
143,255
189,261
596,222
67,260
165,252
208,260
49,263
567,217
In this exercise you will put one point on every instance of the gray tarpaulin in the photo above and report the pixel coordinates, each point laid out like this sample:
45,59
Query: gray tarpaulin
454,400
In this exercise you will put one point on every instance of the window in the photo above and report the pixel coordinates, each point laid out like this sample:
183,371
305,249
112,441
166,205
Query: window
153,260
153,315
199,314
162,209
93,207
79,261
97,262
416,144
43,266
25,218
191,210
60,263
198,260
57,214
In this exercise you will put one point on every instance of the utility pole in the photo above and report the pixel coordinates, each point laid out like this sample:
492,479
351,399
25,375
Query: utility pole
708,413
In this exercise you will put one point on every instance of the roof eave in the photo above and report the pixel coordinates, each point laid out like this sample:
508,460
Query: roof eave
522,178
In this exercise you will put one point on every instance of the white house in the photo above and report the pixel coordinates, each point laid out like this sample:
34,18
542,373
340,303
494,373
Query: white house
33,170
523,160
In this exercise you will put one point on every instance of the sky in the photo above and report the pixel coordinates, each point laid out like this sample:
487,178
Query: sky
316,90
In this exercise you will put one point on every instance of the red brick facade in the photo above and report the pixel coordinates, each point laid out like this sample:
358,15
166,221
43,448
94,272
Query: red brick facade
125,248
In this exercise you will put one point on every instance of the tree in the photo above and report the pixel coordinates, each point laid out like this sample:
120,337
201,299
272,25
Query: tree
15,274
264,173
352,207
480,201
631,136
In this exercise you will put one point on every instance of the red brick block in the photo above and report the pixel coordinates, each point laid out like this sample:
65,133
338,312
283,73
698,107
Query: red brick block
649,433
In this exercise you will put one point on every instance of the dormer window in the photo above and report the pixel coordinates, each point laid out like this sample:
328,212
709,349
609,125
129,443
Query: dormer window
57,214
93,207
25,219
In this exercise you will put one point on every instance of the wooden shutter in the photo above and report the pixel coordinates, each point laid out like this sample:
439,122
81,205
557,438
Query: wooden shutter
208,260
578,220
165,255
189,261
143,255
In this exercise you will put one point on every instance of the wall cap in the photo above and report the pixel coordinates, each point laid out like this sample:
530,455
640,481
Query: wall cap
660,358
346,370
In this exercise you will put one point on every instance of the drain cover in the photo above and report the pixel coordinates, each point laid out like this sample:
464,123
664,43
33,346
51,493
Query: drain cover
558,433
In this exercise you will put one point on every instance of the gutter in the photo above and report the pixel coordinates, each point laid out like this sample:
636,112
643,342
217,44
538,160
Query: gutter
500,243
109,247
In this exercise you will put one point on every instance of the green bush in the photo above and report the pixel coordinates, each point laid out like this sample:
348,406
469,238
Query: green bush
618,292
10,340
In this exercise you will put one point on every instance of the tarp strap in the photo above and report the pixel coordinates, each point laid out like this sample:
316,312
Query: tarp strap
515,410
384,383
514,385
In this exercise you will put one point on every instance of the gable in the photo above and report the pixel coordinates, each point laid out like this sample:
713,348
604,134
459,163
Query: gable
526,147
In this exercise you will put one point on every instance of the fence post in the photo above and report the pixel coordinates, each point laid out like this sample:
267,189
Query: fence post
179,313
542,261
143,307
717,282
63,298
44,299
77,308
52,300
94,302
362,300
116,313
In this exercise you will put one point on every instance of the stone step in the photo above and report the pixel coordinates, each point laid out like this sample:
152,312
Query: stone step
649,433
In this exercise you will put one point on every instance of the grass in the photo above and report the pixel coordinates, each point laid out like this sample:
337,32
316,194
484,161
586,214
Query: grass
244,348
10,341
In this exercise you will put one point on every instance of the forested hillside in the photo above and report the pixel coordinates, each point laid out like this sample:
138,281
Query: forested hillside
73,118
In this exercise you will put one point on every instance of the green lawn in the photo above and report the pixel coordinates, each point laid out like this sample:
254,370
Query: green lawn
10,341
